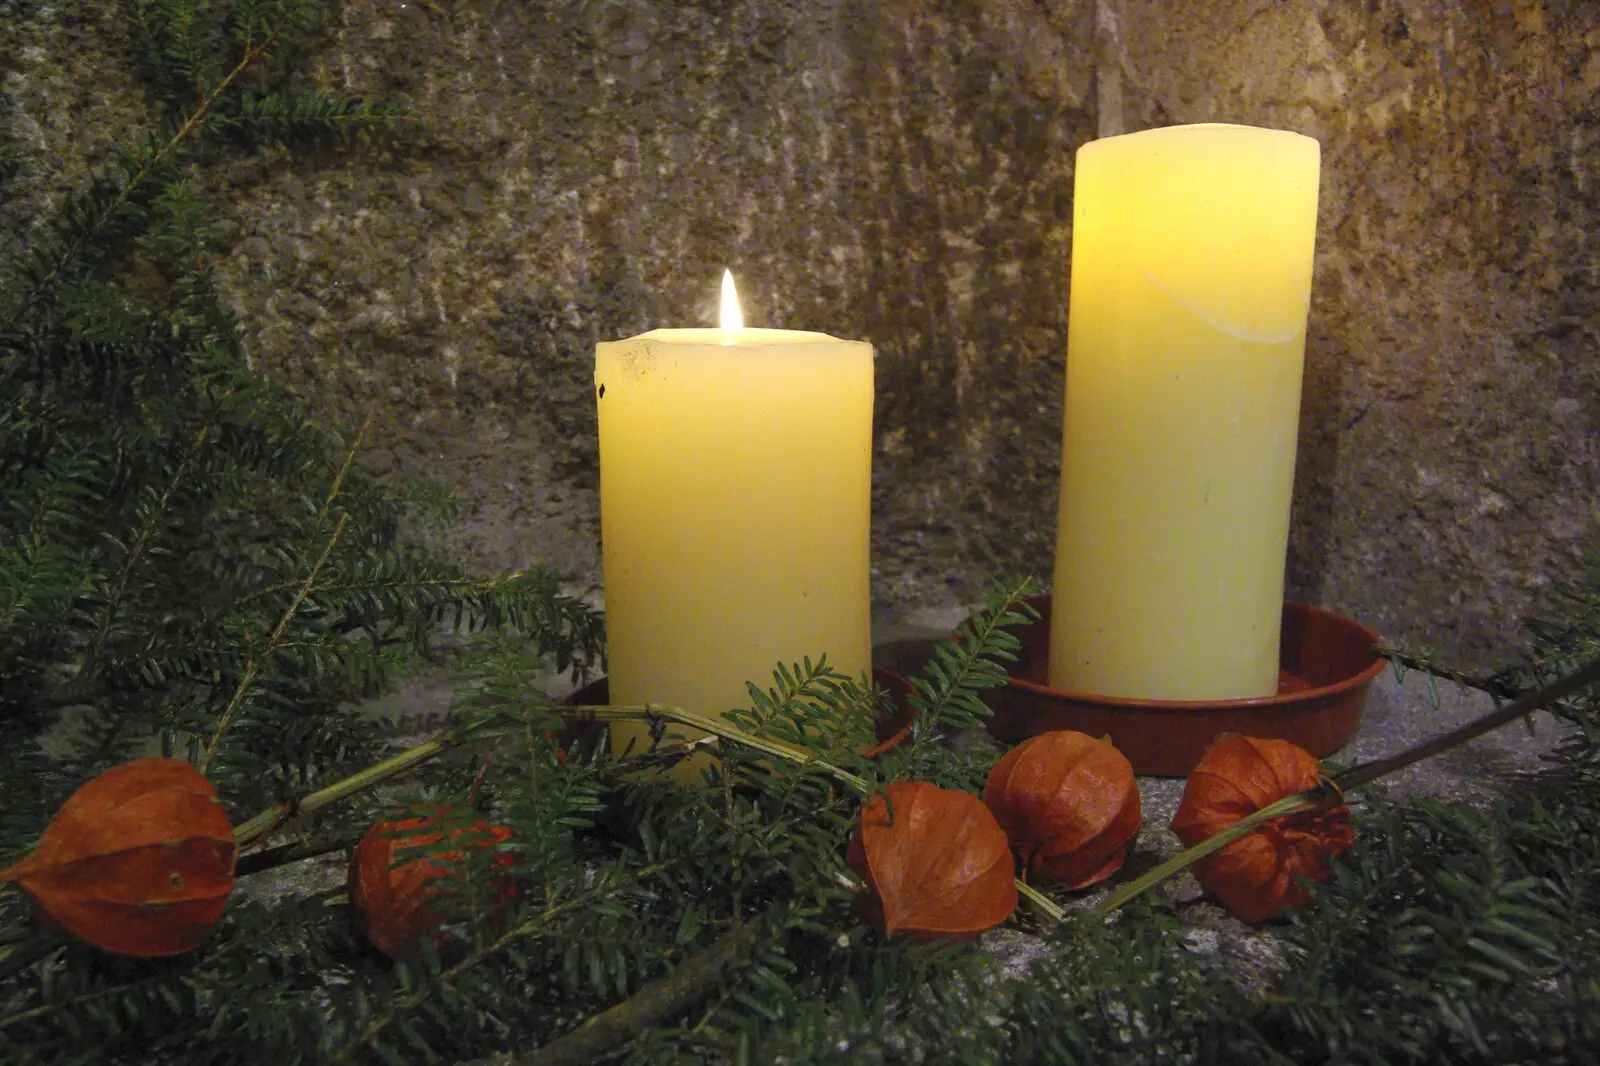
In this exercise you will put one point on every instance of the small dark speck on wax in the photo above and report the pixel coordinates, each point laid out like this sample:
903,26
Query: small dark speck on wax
602,392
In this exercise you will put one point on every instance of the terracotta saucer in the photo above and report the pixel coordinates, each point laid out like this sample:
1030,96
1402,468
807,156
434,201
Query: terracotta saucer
1326,665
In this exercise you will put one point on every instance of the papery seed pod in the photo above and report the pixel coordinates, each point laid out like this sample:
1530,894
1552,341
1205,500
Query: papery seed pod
139,861
1069,804
942,867
393,906
1255,875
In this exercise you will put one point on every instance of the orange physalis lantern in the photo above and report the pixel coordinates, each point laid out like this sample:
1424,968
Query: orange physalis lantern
942,867
139,861
394,906
1255,875
1070,805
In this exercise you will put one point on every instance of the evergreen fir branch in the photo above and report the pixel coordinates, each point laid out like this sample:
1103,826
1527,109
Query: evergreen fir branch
811,705
1566,633
104,211
253,659
311,116
1425,936
180,38
649,1006
254,20
90,230
37,578
32,787
10,160
153,515
1565,636
434,500
1420,659
947,696
419,593
54,483
540,924
1582,678
948,692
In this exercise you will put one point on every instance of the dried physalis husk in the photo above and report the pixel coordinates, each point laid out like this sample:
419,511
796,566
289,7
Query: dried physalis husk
1255,875
1070,805
394,905
139,861
941,867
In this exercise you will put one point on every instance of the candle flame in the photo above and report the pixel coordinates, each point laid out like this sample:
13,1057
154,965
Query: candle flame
732,317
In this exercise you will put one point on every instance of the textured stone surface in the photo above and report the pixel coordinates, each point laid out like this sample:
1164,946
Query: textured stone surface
1448,453
902,172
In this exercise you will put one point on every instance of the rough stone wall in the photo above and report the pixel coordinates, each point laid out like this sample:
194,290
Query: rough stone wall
900,171
1449,460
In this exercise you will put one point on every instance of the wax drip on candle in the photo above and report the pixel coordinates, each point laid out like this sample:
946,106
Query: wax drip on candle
732,317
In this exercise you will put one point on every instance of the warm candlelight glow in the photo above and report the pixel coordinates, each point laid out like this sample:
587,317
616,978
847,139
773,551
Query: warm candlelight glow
735,507
732,317
1192,249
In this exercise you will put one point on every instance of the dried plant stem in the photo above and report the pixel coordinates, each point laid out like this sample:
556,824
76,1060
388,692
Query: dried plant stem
717,726
1295,804
262,824
253,658
1050,907
1331,792
654,1002
283,855
1368,772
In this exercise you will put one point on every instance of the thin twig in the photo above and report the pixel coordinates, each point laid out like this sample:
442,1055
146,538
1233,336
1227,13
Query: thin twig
252,664
1525,704
338,479
262,824
1494,684
715,725
136,554
654,1002
253,659
252,52
271,858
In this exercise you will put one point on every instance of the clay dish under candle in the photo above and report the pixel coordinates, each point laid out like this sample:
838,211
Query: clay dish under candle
1326,665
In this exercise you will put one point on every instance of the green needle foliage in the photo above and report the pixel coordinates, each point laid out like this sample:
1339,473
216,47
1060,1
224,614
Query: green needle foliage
181,549
187,561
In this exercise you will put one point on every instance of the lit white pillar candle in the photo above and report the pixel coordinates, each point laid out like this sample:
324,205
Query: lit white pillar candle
735,495
1191,280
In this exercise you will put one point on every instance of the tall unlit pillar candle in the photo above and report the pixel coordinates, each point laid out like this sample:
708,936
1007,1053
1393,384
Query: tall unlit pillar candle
1191,280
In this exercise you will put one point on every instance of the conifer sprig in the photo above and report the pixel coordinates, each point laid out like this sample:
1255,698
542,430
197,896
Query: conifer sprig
143,163
248,599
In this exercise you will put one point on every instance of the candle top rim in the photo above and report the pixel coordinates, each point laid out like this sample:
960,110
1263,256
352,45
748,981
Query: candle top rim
736,337
1208,127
